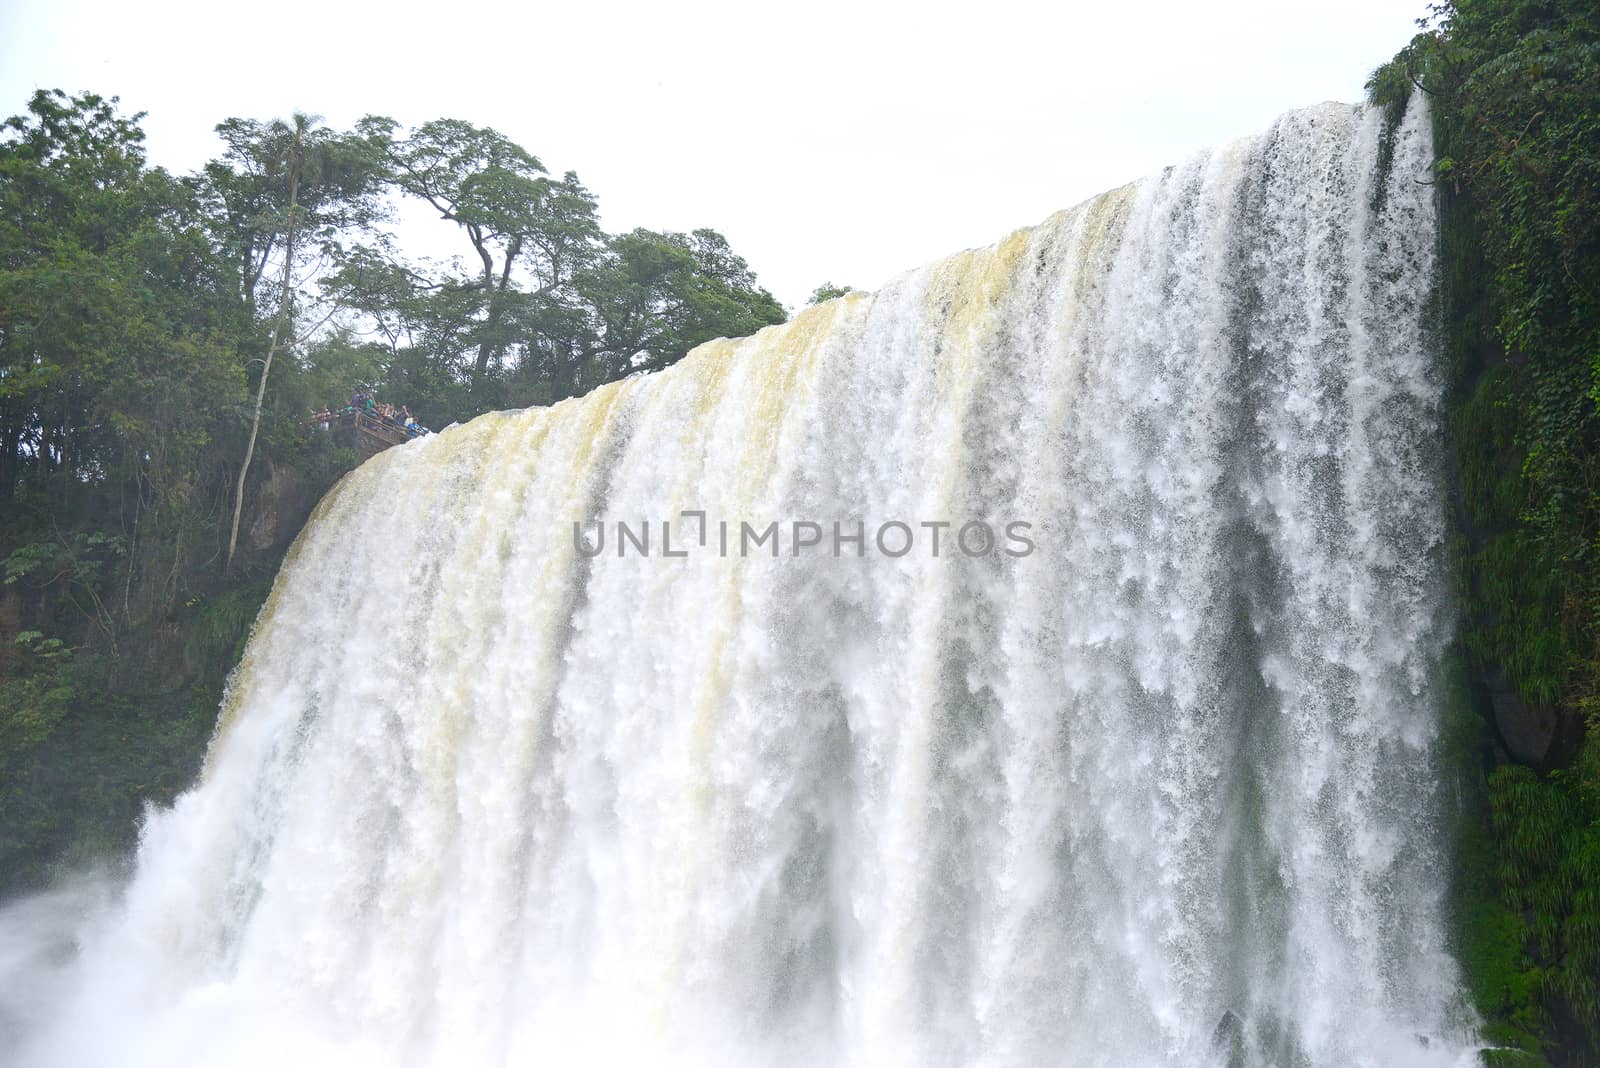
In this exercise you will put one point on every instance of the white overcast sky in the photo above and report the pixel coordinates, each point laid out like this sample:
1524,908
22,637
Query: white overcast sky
828,141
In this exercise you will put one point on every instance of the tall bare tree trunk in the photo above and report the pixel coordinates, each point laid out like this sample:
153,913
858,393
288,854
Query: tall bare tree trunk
277,339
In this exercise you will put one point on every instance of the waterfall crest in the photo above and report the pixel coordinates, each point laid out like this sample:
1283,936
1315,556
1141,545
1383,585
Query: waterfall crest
1161,791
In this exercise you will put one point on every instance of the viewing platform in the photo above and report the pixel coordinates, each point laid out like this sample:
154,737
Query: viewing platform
368,434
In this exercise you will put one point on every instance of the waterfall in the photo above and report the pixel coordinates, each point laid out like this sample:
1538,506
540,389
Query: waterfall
550,747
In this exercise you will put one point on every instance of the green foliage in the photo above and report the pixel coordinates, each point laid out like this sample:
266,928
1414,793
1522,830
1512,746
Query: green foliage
217,628
45,648
78,762
339,182
656,296
549,305
1511,1058
1549,830
82,560
1515,86
1488,938
826,291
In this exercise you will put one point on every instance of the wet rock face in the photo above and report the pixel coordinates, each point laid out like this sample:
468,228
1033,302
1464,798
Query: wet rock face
1532,733
282,501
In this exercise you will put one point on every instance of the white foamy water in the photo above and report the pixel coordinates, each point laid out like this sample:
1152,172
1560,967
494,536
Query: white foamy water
1160,793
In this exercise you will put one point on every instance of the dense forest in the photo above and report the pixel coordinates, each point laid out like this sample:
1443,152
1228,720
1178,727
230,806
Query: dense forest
1515,90
163,341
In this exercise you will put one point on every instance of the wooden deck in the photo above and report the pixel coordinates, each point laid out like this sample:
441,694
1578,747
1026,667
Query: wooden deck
368,434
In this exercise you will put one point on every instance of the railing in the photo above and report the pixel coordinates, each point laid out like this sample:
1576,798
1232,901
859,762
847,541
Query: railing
375,426
369,433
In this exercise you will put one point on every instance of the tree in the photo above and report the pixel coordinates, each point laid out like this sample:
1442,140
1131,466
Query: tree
552,306
343,180
827,291
515,217
113,317
294,163
284,187
654,296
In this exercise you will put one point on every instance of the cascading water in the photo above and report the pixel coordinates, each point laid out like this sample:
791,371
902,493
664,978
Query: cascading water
1161,791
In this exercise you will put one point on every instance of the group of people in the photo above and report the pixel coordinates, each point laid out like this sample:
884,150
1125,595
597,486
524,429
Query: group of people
366,404
400,417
